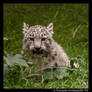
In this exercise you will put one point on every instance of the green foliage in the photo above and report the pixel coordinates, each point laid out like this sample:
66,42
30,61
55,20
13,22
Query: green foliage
60,73
15,59
70,31
48,74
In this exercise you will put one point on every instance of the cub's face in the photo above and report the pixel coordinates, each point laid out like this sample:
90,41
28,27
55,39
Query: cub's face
37,38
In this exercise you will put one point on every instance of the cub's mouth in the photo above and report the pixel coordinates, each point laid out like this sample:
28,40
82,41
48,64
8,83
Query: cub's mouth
40,52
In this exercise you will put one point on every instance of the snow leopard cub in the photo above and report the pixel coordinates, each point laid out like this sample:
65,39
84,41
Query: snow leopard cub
38,41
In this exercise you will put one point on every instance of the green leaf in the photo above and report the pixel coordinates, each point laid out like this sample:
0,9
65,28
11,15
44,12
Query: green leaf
11,60
48,75
30,63
60,72
5,38
6,68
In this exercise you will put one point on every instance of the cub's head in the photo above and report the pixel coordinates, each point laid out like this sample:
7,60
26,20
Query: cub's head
37,38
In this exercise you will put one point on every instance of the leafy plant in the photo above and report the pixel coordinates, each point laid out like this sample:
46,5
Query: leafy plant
11,60
60,73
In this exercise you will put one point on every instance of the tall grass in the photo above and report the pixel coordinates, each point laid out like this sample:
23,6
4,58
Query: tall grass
70,31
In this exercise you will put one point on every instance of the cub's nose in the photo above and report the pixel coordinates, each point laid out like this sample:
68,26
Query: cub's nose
37,48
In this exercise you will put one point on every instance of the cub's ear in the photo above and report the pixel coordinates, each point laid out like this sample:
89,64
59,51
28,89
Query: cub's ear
25,27
50,28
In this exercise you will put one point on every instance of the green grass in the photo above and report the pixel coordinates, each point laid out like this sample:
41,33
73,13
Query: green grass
70,31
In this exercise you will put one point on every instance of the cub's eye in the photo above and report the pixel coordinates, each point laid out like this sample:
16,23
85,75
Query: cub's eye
32,39
43,39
